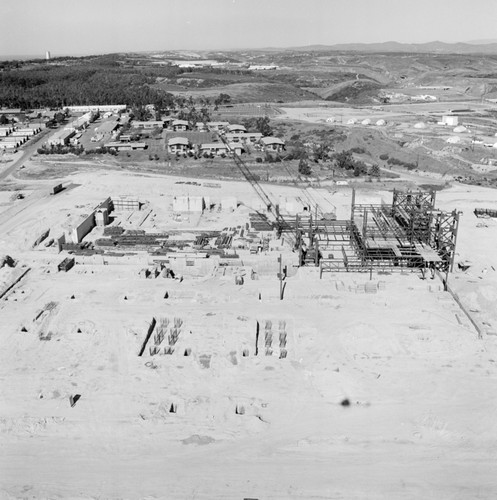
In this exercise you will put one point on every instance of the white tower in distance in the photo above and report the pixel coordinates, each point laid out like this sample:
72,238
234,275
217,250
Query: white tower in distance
47,55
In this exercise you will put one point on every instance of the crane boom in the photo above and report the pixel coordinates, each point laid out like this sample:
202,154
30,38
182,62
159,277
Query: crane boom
252,179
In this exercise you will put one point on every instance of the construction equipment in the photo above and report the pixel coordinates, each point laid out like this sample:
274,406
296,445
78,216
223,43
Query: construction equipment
252,179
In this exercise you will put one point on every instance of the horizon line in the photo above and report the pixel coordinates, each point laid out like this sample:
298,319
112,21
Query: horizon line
25,57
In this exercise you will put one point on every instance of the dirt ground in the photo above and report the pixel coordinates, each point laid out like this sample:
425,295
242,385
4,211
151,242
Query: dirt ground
386,390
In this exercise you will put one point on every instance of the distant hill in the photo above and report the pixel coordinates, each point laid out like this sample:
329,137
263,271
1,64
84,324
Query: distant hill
430,47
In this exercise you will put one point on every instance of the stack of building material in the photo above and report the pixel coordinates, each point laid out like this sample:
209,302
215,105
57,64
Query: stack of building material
104,242
201,241
66,264
113,231
224,241
259,222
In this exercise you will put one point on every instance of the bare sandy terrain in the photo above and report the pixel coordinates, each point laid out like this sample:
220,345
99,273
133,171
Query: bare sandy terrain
386,390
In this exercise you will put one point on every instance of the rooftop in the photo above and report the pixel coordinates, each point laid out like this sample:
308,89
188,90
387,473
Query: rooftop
178,140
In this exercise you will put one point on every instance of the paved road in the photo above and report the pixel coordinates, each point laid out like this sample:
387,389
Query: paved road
27,151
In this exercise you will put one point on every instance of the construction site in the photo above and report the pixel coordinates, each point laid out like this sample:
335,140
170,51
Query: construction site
220,327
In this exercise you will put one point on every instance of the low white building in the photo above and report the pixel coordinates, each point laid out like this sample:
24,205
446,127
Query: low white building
114,108
216,148
148,124
61,137
244,137
126,146
451,121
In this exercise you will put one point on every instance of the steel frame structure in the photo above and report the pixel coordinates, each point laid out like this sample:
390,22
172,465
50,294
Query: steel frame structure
409,233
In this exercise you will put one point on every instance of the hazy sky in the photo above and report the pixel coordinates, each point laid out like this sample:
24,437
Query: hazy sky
30,27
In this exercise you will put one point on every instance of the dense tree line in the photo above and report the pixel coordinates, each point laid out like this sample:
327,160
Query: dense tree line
95,82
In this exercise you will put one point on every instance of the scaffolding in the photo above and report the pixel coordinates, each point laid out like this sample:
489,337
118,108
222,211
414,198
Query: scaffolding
409,233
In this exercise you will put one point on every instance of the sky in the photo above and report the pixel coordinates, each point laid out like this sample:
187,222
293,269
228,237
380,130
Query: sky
80,27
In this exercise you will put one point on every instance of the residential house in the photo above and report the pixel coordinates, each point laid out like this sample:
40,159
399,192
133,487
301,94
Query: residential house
216,148
178,145
217,126
148,124
252,137
236,148
244,137
235,128
180,125
234,137
272,144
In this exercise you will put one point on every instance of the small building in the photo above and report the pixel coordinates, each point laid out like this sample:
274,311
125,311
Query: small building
217,126
9,145
234,137
23,133
201,127
126,146
178,145
179,125
244,137
262,67
5,131
236,148
21,139
114,108
61,137
236,128
108,126
251,137
451,121
82,122
149,124
216,148
272,144
32,129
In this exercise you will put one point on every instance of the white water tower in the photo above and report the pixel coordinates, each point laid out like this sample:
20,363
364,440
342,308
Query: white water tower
47,55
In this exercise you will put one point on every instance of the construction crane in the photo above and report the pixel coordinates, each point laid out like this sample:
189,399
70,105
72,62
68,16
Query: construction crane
252,179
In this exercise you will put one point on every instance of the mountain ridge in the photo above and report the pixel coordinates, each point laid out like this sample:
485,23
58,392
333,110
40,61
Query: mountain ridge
437,47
